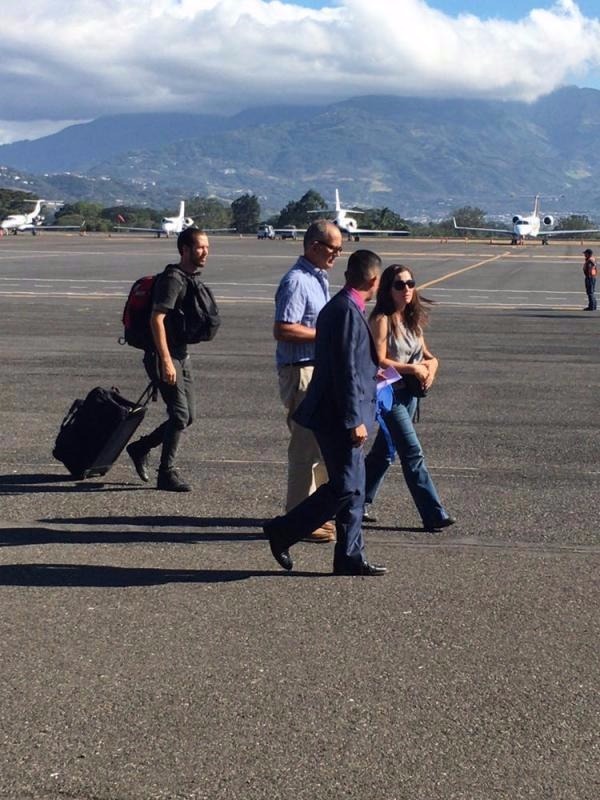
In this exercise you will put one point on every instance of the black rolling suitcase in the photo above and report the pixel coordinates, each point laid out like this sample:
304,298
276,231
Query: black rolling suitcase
95,431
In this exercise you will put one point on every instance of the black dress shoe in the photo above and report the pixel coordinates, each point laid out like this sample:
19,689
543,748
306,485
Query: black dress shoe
280,554
139,455
431,527
364,568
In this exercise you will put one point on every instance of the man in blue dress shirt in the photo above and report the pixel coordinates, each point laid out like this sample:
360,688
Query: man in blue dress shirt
302,293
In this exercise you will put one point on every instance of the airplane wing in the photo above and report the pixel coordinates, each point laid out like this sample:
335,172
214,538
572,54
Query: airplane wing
564,233
328,211
127,229
483,230
60,227
374,232
35,229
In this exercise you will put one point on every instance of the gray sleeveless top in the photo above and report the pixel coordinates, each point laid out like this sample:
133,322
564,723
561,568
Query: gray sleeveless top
406,347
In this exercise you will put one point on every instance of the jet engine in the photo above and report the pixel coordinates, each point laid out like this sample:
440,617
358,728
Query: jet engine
188,222
548,220
516,220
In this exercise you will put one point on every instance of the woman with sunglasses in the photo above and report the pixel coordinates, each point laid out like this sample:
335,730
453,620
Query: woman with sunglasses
397,323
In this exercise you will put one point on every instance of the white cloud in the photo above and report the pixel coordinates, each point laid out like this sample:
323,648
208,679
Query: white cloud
64,60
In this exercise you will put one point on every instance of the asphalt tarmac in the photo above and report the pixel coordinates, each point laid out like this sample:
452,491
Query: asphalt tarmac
153,649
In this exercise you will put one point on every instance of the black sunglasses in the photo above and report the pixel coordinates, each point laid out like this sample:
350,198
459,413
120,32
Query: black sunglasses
330,247
400,285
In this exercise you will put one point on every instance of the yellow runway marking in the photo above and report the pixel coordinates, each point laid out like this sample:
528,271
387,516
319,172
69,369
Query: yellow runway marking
464,269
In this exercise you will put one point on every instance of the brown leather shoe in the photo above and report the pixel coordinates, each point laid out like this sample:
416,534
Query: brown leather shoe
326,533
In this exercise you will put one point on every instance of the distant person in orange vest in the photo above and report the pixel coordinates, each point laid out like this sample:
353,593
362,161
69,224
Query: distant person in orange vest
589,270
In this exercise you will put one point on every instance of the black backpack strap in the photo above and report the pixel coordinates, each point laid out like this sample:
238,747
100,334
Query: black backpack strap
175,269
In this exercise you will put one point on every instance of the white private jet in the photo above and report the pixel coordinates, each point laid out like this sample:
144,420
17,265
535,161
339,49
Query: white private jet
169,225
529,226
349,225
34,221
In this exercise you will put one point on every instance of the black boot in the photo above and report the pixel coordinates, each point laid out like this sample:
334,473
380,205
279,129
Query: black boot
138,453
169,481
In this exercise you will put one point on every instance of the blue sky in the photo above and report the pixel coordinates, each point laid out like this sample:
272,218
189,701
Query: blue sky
512,10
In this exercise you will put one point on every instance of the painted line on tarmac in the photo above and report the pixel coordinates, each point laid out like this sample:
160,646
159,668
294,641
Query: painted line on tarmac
487,468
54,254
16,279
256,257
245,299
517,291
448,471
508,306
464,269
121,295
269,300
379,533
90,296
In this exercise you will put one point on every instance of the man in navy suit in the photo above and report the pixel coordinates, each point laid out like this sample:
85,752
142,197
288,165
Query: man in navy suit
340,408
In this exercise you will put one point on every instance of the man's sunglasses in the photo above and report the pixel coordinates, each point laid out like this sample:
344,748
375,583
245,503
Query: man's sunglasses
330,247
401,285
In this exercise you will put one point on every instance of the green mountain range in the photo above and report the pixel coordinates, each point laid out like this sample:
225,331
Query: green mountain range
420,157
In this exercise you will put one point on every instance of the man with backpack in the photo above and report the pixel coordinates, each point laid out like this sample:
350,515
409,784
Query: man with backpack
183,311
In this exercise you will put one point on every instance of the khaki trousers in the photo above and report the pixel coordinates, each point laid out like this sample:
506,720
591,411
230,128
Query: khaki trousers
306,469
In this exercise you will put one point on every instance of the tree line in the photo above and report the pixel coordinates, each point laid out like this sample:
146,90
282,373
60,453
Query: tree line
244,214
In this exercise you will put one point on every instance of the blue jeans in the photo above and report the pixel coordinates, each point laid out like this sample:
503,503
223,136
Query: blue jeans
399,422
590,290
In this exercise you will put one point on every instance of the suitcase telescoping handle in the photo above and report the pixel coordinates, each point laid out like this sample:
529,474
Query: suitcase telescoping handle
149,393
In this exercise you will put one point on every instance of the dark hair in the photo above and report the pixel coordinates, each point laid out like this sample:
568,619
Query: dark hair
187,236
588,252
362,265
415,314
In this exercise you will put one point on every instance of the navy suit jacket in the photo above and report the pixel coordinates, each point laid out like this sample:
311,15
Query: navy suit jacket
341,394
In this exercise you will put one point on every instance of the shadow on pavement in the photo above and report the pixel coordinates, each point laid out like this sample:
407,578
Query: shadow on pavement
107,576
571,315
40,483
21,537
162,521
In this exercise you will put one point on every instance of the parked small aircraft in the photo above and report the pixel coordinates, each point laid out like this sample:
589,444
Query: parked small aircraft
34,221
349,225
169,225
527,226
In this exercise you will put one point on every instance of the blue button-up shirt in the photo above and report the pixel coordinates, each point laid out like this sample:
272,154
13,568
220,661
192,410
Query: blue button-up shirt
302,293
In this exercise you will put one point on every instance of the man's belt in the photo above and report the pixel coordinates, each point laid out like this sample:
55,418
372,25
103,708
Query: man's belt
307,363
